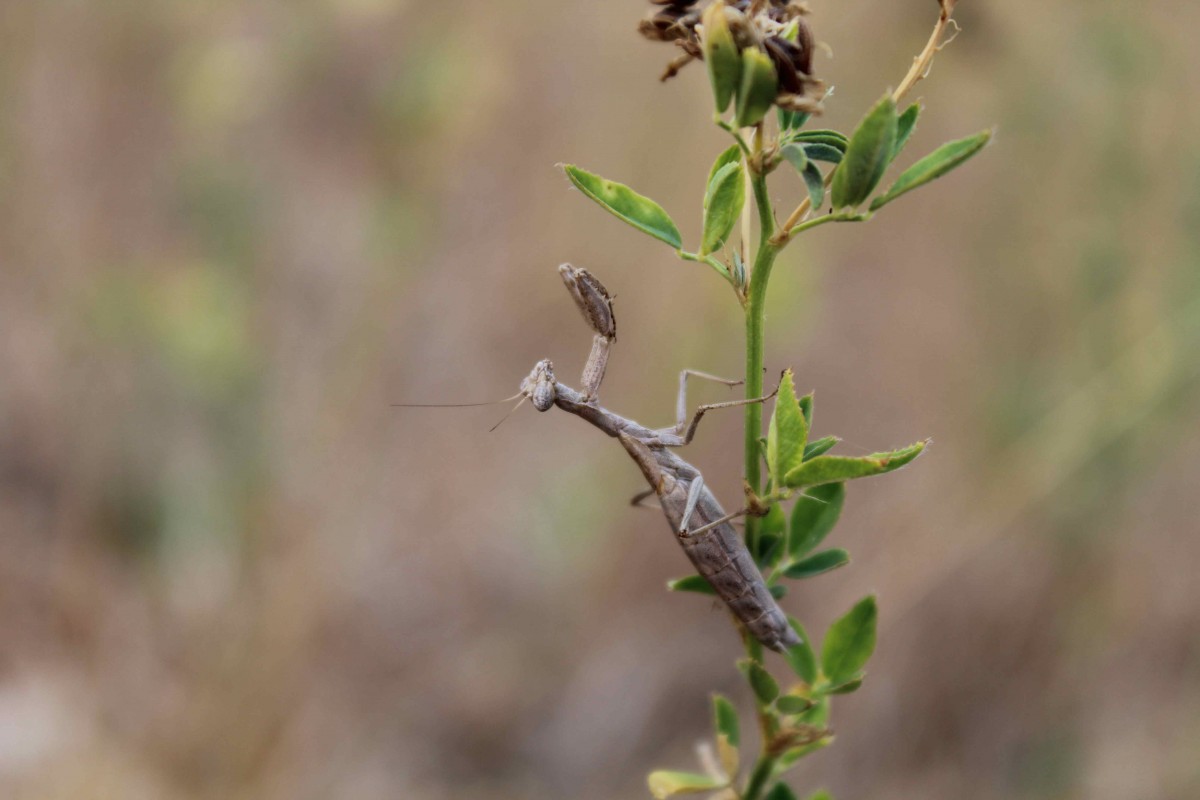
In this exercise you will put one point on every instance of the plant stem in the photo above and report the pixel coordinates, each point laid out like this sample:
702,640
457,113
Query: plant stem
759,777
764,260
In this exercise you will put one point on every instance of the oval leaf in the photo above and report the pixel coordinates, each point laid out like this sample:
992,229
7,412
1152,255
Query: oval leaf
795,156
725,719
933,166
692,583
764,686
725,722
781,792
788,432
819,564
867,156
617,198
801,657
813,517
721,55
849,643
759,86
775,522
823,152
664,784
820,447
732,154
849,687
829,469
792,120
905,127
832,138
722,206
793,704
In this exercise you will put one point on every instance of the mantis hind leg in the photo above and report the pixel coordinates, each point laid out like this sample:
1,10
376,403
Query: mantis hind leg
684,432
681,414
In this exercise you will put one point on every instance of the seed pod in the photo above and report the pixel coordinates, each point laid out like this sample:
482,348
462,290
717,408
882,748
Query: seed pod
783,55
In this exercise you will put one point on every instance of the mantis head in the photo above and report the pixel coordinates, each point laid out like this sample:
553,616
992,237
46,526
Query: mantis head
539,385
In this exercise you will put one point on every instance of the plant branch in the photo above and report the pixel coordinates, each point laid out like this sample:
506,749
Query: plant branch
922,63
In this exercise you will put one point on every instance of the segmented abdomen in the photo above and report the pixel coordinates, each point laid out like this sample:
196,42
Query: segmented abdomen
721,557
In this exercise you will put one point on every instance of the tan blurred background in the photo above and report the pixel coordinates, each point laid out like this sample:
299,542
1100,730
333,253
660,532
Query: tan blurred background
233,232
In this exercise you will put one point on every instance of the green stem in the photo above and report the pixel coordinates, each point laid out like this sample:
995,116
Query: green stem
764,260
759,777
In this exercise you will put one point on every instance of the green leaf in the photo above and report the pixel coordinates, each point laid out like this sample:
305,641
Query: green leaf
825,561
849,643
697,584
818,714
775,522
792,120
815,182
793,704
823,152
933,166
729,156
788,432
721,56
764,686
640,212
801,657
829,469
848,687
832,138
810,172
813,517
664,784
759,86
820,447
869,153
722,206
795,156
905,127
821,795
770,548
725,720
788,759
780,792
692,583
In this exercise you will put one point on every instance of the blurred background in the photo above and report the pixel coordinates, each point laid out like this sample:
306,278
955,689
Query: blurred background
232,233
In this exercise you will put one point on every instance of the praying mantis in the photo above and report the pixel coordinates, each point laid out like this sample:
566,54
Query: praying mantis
699,523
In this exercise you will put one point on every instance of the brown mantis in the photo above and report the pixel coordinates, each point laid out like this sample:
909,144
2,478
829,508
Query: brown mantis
700,524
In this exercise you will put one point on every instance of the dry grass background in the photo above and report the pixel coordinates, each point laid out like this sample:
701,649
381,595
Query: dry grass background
231,233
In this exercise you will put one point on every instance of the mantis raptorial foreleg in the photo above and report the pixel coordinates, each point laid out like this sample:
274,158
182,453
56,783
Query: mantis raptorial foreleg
595,304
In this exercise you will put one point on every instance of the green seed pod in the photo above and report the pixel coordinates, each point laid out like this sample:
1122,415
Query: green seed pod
759,86
721,56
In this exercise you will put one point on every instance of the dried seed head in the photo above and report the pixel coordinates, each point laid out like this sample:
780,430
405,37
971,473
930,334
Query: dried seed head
673,23
776,28
540,385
